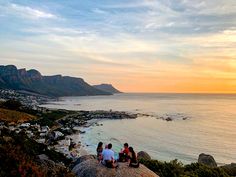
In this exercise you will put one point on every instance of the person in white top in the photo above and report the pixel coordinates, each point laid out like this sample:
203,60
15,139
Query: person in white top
108,157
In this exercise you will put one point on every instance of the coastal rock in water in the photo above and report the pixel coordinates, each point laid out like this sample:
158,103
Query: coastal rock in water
207,160
92,168
143,155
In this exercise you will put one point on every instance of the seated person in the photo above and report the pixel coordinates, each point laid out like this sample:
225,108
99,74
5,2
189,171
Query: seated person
133,161
123,155
99,151
108,157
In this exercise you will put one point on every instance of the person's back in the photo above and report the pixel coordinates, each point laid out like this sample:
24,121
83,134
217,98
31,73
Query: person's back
108,157
99,151
107,154
133,161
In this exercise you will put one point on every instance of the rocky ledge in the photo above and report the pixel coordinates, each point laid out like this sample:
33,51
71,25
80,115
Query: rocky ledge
88,166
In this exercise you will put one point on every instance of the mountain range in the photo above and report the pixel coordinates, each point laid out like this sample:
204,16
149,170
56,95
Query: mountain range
107,88
57,85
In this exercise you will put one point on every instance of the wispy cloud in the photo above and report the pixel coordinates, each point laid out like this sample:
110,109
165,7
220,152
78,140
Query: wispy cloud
26,11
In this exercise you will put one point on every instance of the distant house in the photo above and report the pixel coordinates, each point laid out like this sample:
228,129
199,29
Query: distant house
57,134
41,140
25,125
44,129
43,134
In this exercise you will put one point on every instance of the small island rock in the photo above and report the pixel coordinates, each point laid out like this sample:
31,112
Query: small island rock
143,155
207,160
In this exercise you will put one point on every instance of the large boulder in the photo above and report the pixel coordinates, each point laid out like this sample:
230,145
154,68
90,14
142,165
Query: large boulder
207,160
92,168
143,155
84,158
50,168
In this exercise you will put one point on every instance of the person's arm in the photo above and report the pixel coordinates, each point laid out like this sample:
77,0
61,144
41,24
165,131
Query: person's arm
129,156
113,156
102,154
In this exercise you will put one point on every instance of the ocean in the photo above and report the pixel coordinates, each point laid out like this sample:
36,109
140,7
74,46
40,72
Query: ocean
202,123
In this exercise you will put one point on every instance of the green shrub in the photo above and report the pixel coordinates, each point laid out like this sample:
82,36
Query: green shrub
177,169
11,104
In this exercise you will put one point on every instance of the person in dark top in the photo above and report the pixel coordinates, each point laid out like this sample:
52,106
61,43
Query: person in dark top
133,161
99,151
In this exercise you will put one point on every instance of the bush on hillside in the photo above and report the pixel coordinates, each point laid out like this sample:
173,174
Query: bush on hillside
12,104
177,169
18,157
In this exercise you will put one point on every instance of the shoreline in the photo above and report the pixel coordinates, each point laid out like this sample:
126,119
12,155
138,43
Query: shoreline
76,124
70,130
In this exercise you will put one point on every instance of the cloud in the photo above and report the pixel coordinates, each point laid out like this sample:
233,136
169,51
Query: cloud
27,12
99,11
56,31
160,44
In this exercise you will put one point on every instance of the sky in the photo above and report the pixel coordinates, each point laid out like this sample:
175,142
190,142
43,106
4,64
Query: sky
136,45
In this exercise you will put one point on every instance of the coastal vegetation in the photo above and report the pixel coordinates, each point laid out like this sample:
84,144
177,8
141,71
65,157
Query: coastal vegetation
19,157
175,168
15,117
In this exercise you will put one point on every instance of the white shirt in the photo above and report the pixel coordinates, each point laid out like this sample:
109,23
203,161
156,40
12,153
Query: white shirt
108,154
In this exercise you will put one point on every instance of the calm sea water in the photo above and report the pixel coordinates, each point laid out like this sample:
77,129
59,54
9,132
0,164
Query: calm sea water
210,126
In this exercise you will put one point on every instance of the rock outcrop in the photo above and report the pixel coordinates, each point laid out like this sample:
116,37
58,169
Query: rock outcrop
143,155
84,158
90,167
207,160
50,168
107,88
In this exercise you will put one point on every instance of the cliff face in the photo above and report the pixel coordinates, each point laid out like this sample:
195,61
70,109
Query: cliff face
107,88
32,80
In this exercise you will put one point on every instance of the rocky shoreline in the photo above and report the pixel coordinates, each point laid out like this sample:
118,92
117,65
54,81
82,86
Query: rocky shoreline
72,125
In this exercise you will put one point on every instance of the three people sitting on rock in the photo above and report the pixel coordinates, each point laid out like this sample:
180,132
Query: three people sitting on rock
107,156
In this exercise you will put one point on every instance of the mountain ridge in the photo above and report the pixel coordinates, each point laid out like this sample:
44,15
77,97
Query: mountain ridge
107,88
55,85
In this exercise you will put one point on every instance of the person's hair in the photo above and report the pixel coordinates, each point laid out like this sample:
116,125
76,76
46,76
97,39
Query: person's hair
132,152
109,146
99,145
126,145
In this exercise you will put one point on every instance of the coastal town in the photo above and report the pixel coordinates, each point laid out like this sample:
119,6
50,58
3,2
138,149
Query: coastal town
28,99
